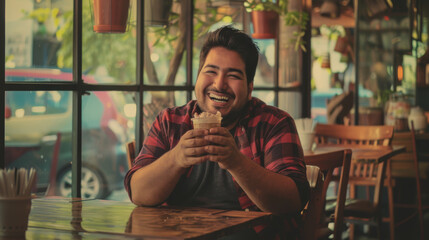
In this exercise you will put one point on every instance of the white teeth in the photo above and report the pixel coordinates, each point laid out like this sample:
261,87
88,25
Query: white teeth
218,98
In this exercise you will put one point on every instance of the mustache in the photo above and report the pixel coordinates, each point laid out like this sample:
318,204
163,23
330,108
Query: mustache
212,89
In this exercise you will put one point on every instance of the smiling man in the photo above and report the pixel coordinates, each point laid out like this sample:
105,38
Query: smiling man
254,161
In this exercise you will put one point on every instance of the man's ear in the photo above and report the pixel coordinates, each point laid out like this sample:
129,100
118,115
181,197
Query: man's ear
249,90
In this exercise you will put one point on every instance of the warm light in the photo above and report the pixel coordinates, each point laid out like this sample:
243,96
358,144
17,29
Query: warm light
56,96
130,110
38,109
400,72
130,124
19,113
154,57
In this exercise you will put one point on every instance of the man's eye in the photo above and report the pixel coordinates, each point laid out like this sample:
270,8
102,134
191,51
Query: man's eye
234,76
210,72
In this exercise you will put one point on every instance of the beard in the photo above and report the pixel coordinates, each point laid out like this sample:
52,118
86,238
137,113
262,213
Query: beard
232,117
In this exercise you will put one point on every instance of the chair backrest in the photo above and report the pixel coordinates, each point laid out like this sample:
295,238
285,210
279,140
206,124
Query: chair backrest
380,135
313,210
367,173
328,162
131,152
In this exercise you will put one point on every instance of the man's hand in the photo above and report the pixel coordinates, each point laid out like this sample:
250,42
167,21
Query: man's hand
222,148
190,149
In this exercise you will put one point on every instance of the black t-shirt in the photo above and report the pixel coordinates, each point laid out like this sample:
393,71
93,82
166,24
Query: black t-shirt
207,185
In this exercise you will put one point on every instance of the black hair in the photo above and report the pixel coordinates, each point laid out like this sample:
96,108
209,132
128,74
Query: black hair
234,40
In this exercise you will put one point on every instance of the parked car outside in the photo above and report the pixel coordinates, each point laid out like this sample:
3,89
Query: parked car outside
38,134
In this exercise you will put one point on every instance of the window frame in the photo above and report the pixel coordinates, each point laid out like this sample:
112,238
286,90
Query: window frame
79,88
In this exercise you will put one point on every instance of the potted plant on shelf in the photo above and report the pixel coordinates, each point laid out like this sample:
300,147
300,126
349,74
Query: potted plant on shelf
279,8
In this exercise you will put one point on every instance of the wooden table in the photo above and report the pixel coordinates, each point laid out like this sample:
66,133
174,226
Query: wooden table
362,152
65,218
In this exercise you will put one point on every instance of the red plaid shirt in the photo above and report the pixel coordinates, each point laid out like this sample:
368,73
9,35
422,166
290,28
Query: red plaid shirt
265,134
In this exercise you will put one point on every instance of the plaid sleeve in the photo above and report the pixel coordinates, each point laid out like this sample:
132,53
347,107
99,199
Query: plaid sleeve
154,146
284,155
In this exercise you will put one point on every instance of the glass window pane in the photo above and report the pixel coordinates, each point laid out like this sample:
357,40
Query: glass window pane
291,103
38,134
155,102
35,35
264,75
165,45
209,16
332,71
111,57
266,96
104,134
383,40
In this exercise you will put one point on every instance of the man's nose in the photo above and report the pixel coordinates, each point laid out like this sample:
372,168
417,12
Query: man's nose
220,82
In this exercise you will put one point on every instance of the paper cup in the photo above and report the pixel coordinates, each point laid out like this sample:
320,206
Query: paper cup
307,140
206,123
14,212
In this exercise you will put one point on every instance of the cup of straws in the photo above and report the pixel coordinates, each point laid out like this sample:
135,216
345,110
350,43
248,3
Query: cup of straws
305,128
15,201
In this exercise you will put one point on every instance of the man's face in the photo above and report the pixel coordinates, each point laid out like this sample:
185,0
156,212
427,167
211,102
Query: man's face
222,84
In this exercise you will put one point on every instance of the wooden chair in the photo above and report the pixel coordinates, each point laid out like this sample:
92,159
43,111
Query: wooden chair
328,162
363,173
131,152
418,190
314,208
418,206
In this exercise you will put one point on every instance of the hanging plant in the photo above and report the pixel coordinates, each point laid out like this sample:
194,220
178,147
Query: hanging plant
291,18
110,16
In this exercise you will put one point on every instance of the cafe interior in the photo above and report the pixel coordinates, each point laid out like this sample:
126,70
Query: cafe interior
82,81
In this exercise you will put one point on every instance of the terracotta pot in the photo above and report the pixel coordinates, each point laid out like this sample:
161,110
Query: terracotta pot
110,16
264,24
341,45
326,61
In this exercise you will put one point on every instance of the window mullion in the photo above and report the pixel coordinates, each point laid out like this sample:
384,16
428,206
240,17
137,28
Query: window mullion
189,5
139,130
77,100
2,78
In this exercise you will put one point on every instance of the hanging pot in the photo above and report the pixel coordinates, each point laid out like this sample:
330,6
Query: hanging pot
220,3
110,16
157,12
264,24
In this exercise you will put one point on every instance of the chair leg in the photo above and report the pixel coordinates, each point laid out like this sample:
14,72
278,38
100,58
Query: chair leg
379,227
351,231
391,213
390,199
419,201
391,202
417,176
